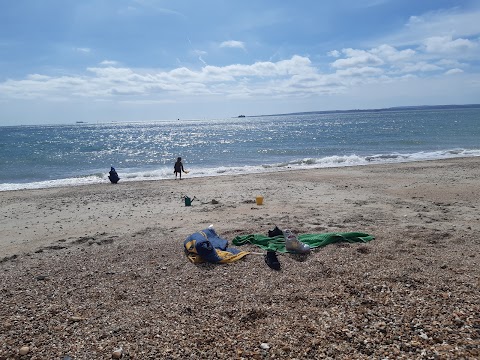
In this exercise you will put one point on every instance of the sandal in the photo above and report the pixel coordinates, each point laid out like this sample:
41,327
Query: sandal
272,260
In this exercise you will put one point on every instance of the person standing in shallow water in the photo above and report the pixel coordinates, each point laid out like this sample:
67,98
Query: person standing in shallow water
178,168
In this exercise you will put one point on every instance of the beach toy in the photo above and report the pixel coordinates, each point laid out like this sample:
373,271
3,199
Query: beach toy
188,201
259,200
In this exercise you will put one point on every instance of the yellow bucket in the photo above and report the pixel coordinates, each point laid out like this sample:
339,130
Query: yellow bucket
259,200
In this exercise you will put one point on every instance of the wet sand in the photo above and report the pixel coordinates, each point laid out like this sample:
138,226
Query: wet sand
88,270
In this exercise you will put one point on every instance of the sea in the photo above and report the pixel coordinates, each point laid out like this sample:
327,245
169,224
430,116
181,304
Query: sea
43,156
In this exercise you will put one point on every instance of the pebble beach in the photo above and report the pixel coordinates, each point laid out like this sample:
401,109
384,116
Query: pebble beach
99,271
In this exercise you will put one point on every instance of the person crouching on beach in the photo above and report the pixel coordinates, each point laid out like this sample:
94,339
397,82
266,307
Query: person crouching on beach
178,168
113,176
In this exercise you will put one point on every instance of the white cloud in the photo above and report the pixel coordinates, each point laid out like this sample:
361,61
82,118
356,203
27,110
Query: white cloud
334,53
109,63
421,66
111,72
295,77
233,44
383,55
357,58
391,54
449,22
295,65
450,63
364,62
433,42
454,71
38,77
390,61
83,50
366,71
445,44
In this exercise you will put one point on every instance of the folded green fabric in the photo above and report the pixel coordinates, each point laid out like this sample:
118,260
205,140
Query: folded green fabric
277,243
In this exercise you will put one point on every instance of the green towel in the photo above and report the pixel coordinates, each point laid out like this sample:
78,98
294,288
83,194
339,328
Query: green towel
277,243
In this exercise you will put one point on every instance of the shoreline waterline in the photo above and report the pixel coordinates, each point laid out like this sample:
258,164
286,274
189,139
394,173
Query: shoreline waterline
304,164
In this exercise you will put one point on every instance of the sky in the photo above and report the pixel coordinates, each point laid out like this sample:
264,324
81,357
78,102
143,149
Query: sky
63,61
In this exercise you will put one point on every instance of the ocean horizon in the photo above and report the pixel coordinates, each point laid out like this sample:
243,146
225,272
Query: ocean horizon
42,156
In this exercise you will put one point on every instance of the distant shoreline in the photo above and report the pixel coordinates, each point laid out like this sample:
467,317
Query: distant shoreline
390,109
394,108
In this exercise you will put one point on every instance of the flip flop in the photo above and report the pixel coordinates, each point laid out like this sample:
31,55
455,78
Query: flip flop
272,260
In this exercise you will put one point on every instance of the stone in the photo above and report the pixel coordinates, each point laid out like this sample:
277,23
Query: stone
264,346
117,353
76,318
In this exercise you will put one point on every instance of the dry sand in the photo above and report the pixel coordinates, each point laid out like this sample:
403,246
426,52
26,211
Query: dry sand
95,272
